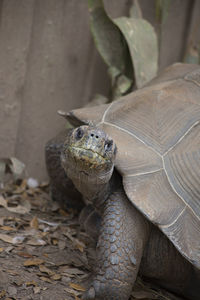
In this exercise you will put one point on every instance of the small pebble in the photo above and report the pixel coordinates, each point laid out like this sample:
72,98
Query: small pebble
32,183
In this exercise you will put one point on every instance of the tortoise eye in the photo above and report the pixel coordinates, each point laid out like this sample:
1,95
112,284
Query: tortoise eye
108,145
79,133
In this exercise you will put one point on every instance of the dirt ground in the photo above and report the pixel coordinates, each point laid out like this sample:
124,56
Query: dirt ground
44,254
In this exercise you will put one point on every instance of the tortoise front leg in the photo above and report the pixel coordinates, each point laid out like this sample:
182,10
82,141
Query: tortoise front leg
122,238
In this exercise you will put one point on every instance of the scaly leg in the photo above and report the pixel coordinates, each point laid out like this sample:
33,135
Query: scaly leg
122,238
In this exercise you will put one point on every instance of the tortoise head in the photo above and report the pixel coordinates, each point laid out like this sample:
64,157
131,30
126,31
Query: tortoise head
89,152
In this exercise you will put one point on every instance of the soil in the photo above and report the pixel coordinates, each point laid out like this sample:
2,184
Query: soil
44,254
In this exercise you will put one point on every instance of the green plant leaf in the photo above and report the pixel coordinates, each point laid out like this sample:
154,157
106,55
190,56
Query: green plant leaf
126,44
110,43
107,36
142,41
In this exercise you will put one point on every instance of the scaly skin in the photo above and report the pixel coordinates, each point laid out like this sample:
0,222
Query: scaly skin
122,238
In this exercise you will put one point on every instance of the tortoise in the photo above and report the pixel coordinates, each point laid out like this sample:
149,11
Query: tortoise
137,162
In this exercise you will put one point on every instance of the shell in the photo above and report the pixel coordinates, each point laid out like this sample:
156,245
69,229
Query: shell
157,132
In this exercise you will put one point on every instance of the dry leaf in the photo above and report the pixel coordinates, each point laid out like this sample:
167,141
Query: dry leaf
17,167
71,271
12,240
46,279
36,242
45,255
2,293
54,241
34,223
56,277
19,209
71,291
9,249
37,290
30,283
7,228
44,269
20,189
25,254
77,287
48,223
33,262
80,245
12,272
63,213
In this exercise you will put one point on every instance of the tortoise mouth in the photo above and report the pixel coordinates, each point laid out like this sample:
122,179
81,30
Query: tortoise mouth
88,154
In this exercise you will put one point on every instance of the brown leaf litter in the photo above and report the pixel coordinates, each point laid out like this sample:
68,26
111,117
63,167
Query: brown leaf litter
43,252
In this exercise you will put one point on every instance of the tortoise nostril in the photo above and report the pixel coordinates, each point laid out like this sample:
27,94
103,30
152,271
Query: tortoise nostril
92,135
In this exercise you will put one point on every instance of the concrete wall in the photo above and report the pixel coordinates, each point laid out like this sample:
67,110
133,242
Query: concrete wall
48,62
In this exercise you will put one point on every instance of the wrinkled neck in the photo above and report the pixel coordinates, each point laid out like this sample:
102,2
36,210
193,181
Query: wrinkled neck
93,192
95,188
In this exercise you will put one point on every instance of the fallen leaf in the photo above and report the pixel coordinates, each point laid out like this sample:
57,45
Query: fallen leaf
36,242
80,245
30,283
63,212
2,293
77,287
36,290
25,254
56,277
17,167
12,272
45,255
19,209
34,223
48,223
7,228
71,291
20,189
33,262
46,279
9,249
54,241
10,239
71,271
46,270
